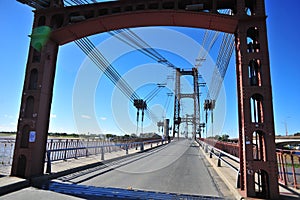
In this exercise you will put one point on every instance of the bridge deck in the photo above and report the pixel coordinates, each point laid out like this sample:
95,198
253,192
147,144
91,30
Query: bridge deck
168,165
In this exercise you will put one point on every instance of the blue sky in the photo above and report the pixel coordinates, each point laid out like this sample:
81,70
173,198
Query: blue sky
16,23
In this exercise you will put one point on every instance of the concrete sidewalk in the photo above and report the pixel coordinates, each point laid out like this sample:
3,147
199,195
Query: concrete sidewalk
229,176
60,168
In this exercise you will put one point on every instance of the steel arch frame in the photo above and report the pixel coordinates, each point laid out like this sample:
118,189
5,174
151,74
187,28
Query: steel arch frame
72,23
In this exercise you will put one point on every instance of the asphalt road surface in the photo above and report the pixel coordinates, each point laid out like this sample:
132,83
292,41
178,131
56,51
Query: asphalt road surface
178,168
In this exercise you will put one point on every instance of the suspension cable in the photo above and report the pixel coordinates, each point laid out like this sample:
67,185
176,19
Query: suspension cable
106,67
119,37
135,41
222,63
109,71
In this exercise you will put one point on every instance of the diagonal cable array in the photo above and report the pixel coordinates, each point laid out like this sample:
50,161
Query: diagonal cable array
132,39
96,56
209,39
79,2
167,103
222,62
40,4
226,49
154,92
37,4
223,58
224,55
102,63
219,72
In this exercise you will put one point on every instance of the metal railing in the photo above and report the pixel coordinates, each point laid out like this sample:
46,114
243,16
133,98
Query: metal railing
222,156
73,149
288,161
289,167
64,149
228,147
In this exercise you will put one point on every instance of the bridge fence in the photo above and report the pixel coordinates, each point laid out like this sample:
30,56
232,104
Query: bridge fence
289,167
228,147
232,161
73,149
64,149
288,160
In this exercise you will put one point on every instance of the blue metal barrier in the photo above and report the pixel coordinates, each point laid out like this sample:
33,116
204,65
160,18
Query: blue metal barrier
84,151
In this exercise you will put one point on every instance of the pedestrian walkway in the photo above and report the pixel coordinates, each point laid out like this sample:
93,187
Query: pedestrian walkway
60,168
229,176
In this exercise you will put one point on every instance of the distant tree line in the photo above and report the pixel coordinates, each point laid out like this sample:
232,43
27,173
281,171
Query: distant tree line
223,138
132,137
297,134
73,135
89,135
8,132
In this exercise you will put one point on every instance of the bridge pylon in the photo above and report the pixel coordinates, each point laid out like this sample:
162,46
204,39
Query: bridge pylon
32,130
195,118
258,166
247,21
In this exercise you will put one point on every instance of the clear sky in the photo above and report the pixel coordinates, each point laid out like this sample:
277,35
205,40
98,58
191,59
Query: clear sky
106,111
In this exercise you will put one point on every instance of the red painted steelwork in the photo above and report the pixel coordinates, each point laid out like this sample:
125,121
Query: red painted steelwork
142,19
247,22
289,167
228,147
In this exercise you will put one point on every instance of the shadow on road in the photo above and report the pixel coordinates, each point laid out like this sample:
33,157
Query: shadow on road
95,193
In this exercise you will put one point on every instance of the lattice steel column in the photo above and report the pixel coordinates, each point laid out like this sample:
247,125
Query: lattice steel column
258,165
179,95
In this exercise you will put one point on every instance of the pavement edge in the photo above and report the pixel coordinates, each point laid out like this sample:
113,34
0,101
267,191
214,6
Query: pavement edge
231,187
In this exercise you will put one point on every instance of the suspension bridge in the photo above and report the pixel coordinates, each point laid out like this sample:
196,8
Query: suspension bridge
240,26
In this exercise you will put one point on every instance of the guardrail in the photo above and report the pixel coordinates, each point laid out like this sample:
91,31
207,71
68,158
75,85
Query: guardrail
288,167
288,161
63,149
228,147
222,156
76,149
